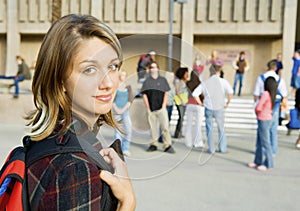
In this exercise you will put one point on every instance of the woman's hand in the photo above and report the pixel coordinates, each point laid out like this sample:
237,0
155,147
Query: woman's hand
119,182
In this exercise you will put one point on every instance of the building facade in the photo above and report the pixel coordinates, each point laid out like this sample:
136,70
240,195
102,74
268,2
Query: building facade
261,28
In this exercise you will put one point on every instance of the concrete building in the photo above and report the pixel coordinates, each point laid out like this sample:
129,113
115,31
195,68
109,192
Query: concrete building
260,28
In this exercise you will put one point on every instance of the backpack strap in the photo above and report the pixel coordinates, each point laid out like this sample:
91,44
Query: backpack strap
63,144
262,77
279,95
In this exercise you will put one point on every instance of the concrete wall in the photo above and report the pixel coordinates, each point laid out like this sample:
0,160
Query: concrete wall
236,17
298,27
2,54
258,50
29,48
135,45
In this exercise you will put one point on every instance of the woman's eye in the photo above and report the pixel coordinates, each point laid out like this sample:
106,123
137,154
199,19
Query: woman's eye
90,70
113,67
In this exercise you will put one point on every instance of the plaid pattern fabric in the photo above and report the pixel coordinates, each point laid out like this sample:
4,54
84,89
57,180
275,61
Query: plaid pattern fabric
67,181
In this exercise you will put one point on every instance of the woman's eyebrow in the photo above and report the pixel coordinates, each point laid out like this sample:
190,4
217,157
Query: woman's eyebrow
96,61
88,61
115,59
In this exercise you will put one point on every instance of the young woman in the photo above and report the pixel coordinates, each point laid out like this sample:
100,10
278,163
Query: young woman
214,59
198,66
74,85
263,154
123,99
194,115
182,75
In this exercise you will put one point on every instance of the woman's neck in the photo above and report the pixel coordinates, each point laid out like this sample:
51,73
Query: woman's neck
89,119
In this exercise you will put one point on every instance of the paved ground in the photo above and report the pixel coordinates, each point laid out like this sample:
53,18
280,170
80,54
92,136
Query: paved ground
190,179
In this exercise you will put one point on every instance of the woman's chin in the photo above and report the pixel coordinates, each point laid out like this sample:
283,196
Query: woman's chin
103,110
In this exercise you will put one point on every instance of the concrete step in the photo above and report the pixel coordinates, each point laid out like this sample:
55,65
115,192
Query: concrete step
239,115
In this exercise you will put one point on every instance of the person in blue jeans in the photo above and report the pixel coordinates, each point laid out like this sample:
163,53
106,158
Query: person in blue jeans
122,102
214,90
263,154
22,74
259,89
240,65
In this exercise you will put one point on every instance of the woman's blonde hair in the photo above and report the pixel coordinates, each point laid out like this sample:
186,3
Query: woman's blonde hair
53,106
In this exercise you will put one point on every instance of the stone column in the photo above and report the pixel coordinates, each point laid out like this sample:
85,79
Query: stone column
13,38
187,34
288,39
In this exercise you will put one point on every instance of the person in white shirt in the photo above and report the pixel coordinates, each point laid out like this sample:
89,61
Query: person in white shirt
282,93
214,90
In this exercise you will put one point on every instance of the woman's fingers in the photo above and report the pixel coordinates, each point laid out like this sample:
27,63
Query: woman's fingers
112,158
107,177
122,190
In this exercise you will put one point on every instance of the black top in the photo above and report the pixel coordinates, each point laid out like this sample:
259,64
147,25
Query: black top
155,90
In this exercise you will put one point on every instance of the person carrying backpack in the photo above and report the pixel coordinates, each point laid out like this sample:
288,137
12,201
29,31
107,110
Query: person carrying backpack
143,64
263,154
74,85
282,93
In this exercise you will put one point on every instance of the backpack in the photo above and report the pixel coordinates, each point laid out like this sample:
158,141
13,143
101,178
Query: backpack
294,119
13,186
144,61
278,96
12,181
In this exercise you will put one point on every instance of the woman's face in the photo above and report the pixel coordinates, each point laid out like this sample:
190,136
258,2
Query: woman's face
186,76
214,54
93,79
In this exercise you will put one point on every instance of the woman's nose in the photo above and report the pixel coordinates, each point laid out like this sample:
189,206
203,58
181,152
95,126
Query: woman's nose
105,81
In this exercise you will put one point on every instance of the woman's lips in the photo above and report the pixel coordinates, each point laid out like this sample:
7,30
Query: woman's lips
104,98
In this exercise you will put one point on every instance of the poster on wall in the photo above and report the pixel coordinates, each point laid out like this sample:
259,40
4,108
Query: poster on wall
228,56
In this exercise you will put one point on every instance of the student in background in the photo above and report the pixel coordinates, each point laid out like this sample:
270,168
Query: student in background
198,66
154,91
181,97
263,154
241,65
282,93
214,90
295,70
278,61
122,102
194,114
143,65
214,59
22,74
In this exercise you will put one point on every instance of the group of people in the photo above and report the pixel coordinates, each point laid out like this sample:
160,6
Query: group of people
77,87
190,95
268,93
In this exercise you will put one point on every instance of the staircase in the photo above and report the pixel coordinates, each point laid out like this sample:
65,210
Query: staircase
239,115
